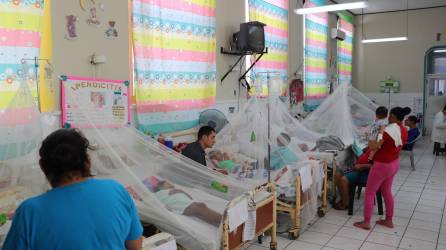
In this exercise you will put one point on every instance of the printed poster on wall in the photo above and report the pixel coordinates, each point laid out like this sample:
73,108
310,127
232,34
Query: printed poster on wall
99,102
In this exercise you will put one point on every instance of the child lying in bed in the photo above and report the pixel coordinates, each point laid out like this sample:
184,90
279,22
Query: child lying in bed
223,161
179,202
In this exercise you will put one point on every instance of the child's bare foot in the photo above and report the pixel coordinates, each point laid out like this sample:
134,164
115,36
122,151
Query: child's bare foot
386,223
362,225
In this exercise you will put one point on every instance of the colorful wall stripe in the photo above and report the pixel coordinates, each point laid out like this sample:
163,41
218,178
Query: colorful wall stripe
175,70
345,48
316,53
20,31
46,84
273,13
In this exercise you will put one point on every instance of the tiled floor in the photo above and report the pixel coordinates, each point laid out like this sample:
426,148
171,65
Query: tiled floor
419,214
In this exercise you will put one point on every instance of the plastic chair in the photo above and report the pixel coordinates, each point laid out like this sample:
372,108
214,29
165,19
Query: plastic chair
352,190
410,150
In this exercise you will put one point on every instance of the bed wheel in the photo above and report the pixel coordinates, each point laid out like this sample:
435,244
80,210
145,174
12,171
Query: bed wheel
260,239
273,246
293,236
320,212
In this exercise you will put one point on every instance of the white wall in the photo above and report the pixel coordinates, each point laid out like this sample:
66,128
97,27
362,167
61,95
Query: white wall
229,15
404,61
71,57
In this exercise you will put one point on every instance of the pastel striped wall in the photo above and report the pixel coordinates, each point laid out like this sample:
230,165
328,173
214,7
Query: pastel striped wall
345,48
315,53
47,90
20,28
273,13
175,71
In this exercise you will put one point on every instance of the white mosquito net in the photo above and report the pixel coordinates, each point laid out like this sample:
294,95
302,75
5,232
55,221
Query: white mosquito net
346,113
172,192
148,170
21,134
242,151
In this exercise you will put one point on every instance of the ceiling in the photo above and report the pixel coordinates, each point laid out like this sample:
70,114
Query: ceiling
393,5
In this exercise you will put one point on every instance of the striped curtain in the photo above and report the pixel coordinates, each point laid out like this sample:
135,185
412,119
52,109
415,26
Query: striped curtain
273,13
345,48
316,52
174,51
20,34
20,31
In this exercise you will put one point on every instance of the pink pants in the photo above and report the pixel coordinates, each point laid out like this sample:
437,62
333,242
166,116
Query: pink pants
380,176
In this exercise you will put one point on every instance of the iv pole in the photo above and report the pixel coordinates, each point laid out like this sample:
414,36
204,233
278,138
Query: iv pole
268,81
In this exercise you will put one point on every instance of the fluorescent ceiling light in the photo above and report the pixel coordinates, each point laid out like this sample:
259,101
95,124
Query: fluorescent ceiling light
440,51
389,39
331,7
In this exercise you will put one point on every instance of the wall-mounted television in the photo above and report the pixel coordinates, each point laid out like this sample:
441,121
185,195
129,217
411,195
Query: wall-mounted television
251,37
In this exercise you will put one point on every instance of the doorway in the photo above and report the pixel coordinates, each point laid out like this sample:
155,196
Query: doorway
434,85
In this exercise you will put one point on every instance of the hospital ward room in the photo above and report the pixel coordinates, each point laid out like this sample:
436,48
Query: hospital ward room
222,124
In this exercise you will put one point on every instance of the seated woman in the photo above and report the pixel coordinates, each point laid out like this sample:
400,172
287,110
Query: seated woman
413,132
180,202
358,174
79,212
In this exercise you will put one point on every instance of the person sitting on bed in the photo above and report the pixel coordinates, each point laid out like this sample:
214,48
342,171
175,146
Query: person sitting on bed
205,139
281,155
180,202
358,174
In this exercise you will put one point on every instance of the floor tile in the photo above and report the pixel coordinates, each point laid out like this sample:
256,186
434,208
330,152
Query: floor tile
315,238
400,221
441,247
420,224
344,243
282,242
405,205
384,239
373,246
421,234
257,247
413,184
297,245
411,189
353,233
428,209
409,243
323,227
398,230
402,213
431,203
442,239
426,217
335,219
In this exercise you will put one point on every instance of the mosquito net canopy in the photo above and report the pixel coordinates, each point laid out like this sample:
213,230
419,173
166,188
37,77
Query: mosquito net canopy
346,113
174,193
264,142
21,134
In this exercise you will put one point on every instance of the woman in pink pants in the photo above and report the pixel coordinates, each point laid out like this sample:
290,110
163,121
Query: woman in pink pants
386,165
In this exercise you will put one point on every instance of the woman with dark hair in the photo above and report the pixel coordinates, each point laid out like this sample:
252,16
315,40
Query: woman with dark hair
79,212
385,166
